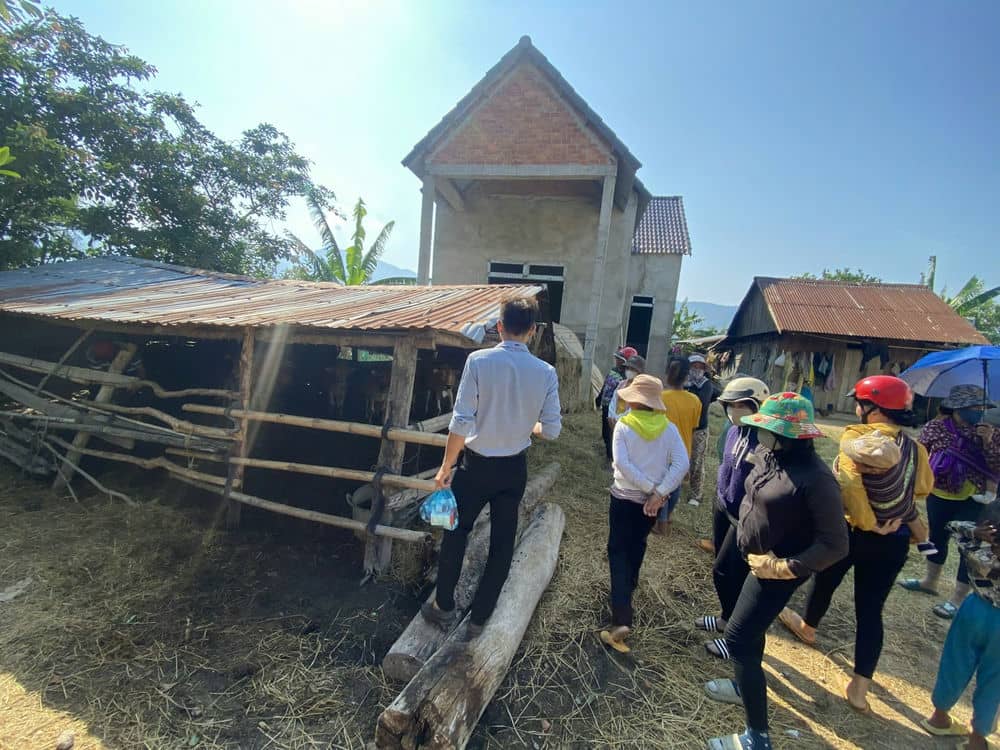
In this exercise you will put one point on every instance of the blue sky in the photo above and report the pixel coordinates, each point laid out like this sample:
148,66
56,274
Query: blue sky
802,135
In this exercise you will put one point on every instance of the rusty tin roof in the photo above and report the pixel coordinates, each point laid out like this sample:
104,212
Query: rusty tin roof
138,292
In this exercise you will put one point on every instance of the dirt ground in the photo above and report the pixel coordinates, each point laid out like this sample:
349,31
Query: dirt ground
150,627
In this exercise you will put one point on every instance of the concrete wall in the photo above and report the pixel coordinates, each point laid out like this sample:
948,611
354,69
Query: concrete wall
655,276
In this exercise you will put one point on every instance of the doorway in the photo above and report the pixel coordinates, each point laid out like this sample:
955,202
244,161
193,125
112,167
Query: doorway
640,322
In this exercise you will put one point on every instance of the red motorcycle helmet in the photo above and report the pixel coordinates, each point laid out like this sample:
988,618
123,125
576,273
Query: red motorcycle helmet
885,391
625,353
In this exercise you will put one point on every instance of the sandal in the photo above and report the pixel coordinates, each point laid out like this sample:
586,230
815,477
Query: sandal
945,610
706,545
954,729
915,584
709,623
617,643
794,623
721,649
863,710
724,691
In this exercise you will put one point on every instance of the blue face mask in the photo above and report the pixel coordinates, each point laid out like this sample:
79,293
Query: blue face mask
972,416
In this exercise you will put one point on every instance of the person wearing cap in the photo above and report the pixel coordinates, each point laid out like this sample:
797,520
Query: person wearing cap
603,400
881,472
684,411
649,463
965,458
701,386
635,365
791,526
740,398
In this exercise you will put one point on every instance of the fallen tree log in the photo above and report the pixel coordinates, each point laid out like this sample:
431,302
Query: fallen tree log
441,705
421,639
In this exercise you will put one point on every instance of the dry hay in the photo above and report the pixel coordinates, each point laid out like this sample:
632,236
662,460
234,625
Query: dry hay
143,628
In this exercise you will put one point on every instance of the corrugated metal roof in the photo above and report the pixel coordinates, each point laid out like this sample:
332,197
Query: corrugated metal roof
663,228
897,312
132,291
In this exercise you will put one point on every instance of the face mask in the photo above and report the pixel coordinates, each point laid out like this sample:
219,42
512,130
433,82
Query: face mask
736,412
629,374
768,439
972,416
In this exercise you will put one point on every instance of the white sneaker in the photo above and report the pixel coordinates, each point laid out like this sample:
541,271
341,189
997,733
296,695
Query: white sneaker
694,502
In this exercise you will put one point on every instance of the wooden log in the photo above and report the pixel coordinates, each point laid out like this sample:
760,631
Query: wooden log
420,639
93,427
243,441
178,425
441,705
378,552
196,455
65,357
403,535
87,376
104,396
398,480
329,425
24,457
434,424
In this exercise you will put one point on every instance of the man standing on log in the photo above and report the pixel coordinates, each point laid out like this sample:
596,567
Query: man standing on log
506,395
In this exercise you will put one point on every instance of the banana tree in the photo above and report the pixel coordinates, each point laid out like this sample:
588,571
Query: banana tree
970,298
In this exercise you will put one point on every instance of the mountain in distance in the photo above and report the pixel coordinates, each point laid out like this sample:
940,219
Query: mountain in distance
716,316
387,271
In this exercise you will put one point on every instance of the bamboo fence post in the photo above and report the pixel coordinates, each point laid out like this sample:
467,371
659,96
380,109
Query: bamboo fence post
378,552
104,395
64,358
242,447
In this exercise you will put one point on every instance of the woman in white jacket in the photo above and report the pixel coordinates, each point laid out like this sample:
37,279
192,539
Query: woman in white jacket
650,462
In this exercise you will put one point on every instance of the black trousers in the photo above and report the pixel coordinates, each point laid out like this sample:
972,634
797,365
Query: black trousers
606,432
628,530
758,605
876,560
941,512
729,569
479,480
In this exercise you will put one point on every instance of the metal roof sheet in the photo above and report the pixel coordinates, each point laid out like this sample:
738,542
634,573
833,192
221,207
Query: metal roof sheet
133,291
898,312
663,229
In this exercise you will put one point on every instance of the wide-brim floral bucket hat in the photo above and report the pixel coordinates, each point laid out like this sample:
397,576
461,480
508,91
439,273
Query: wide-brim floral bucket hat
787,414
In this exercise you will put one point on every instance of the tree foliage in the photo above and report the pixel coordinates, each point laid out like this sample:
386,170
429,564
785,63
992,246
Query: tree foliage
856,276
352,266
973,301
109,166
690,325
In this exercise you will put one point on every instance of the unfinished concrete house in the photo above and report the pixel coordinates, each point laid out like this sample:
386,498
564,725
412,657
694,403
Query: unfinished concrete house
524,183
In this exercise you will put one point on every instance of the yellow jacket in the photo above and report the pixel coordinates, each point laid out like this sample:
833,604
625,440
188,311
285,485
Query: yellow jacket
857,510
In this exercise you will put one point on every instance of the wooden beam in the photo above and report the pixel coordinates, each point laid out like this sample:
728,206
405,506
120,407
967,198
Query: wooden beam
378,553
450,193
406,435
396,480
242,448
154,434
65,357
104,395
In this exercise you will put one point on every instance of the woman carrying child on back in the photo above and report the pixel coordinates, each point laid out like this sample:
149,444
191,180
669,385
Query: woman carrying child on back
649,462
881,471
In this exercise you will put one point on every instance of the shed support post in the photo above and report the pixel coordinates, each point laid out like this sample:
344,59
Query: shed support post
242,447
104,396
378,550
597,287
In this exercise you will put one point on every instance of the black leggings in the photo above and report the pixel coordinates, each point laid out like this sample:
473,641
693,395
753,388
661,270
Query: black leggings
628,530
478,481
876,560
606,433
730,569
940,513
758,605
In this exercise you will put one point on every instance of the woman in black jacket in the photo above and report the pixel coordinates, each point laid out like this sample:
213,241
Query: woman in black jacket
791,525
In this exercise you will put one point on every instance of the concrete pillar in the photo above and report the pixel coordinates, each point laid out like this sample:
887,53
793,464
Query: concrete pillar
426,232
597,285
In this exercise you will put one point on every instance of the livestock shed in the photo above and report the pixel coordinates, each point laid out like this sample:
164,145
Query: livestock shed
820,337
243,387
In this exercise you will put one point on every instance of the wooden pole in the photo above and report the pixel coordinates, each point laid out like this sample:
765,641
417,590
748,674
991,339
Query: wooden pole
396,480
104,395
378,553
64,358
161,436
420,640
442,704
88,376
242,448
408,435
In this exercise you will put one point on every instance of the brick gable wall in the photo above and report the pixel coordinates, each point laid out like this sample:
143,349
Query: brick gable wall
522,121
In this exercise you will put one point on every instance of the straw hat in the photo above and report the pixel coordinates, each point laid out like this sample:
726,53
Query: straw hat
646,390
787,414
966,396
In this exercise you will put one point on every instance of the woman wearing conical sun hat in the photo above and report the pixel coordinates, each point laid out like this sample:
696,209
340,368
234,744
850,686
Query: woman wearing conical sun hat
649,461
791,525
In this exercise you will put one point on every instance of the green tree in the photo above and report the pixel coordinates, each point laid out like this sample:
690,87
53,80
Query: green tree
110,166
856,276
352,266
973,301
5,159
13,12
690,325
